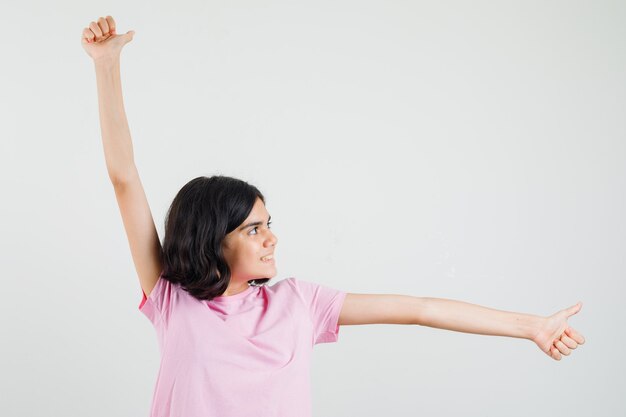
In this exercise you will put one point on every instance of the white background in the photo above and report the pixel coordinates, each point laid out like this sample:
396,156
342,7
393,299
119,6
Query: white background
465,150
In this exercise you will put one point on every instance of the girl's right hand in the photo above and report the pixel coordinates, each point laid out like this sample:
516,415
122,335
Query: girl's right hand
100,40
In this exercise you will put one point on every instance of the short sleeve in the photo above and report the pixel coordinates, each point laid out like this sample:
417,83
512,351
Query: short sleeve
324,305
157,306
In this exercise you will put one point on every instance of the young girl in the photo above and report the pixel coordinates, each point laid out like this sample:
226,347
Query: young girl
230,344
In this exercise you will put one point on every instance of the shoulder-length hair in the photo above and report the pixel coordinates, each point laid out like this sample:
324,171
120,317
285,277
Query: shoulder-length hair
203,212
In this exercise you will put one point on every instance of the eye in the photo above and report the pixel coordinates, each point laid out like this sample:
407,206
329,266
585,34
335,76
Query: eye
256,227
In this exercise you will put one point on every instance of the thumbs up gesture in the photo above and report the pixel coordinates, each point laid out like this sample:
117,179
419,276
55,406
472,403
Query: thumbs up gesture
555,337
100,39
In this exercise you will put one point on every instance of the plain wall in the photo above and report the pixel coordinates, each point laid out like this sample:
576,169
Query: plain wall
465,150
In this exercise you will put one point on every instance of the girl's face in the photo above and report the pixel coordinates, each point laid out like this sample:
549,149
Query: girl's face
246,245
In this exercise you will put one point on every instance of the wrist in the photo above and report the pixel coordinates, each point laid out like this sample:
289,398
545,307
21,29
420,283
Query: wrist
105,62
534,325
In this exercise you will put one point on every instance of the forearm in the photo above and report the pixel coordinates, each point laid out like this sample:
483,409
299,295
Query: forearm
471,318
116,140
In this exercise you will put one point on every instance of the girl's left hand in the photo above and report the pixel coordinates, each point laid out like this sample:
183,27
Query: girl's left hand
555,337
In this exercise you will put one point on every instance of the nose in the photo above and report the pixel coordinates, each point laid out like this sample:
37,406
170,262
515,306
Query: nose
271,240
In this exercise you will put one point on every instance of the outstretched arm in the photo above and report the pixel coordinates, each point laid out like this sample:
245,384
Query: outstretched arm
551,334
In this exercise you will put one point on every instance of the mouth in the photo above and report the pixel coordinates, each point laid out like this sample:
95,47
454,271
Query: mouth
269,259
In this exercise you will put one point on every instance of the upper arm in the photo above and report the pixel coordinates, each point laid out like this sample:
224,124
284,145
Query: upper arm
382,309
143,239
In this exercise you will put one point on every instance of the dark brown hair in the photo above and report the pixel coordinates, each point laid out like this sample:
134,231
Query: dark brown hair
203,212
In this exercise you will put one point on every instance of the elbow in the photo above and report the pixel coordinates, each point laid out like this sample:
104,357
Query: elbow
420,313
121,179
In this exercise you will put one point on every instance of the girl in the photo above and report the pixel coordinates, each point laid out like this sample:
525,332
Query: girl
230,344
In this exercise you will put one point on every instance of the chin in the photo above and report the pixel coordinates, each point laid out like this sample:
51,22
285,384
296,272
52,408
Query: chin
266,275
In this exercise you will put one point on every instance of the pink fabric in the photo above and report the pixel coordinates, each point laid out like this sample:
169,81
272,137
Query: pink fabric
245,355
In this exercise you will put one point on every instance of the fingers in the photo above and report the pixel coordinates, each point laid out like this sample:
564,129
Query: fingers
575,335
102,30
96,30
88,35
103,25
562,348
570,343
111,24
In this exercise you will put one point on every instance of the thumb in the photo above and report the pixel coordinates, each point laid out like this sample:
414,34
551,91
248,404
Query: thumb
128,36
574,309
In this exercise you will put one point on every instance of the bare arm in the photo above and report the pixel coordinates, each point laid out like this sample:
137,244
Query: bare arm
103,45
551,334
118,147
464,317
440,313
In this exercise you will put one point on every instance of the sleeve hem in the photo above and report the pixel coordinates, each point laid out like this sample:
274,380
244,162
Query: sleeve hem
332,333
148,307
143,300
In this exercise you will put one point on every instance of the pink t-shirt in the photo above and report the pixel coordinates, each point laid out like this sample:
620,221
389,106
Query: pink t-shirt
245,355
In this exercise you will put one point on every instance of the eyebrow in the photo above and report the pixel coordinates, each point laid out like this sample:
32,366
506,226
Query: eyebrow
254,224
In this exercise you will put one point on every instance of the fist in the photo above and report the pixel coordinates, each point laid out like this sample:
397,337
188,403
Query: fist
555,337
100,40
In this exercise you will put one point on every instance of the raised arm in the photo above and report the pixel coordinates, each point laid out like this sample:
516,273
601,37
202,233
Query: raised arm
104,46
